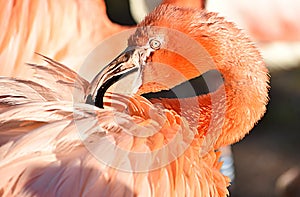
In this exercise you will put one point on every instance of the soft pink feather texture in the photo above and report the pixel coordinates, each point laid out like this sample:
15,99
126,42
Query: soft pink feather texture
42,154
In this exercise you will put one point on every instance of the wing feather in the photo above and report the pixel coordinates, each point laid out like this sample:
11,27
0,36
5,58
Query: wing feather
53,146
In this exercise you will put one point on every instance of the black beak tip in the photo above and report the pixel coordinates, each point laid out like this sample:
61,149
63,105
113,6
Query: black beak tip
120,67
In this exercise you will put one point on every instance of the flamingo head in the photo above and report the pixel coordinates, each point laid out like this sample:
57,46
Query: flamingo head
186,56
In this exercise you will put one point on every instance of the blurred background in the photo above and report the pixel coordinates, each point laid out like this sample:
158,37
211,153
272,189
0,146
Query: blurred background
267,160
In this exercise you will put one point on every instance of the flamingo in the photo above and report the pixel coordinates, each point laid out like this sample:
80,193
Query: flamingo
54,28
51,146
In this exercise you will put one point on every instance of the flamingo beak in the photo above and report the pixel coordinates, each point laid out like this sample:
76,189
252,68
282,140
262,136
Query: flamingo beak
128,61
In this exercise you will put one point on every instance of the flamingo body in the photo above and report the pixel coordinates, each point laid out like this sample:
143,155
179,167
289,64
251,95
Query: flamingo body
45,155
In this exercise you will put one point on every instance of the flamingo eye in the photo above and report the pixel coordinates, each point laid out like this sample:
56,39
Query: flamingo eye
155,44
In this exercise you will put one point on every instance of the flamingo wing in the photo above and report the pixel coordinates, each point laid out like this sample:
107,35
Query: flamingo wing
53,146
